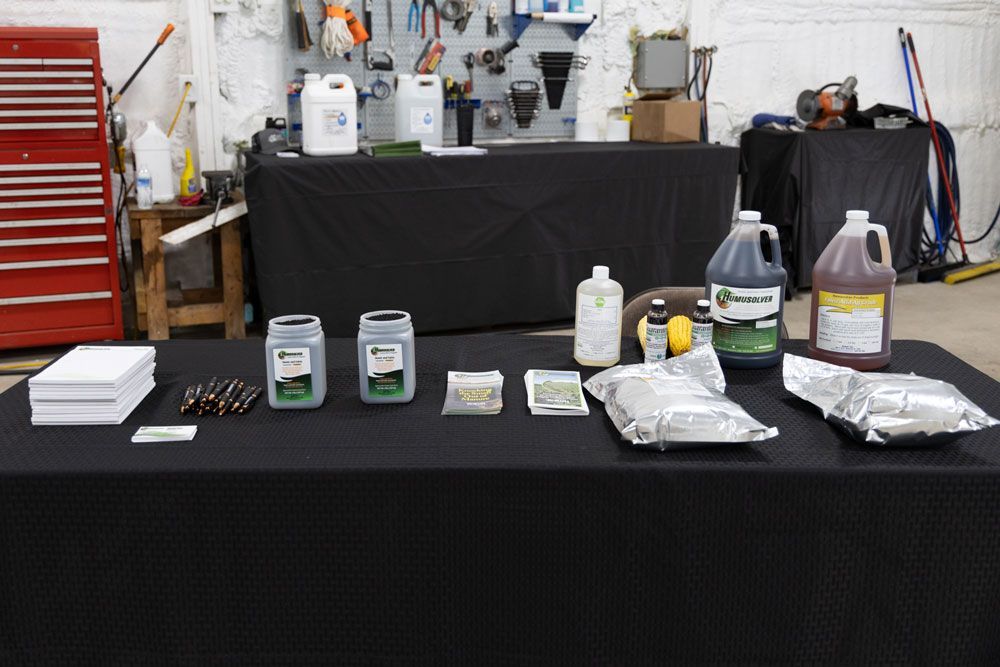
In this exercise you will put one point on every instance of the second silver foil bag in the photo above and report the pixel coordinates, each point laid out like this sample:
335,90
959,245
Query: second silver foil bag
678,403
886,409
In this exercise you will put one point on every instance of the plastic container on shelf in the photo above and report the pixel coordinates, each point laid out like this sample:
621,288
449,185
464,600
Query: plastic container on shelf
850,321
152,149
747,296
329,115
420,109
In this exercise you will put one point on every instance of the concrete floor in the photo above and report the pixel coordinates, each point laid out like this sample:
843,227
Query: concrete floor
962,319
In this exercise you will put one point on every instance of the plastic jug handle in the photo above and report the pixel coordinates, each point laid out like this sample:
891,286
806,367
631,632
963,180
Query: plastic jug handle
772,233
339,78
883,244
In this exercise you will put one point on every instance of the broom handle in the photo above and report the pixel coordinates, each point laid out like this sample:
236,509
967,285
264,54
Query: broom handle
937,148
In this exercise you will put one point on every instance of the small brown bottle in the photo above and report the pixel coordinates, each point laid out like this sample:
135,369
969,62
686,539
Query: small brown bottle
701,324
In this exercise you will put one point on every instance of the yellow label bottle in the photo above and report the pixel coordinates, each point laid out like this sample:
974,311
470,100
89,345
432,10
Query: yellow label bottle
189,183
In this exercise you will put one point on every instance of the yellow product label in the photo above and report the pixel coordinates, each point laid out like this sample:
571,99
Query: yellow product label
848,303
850,323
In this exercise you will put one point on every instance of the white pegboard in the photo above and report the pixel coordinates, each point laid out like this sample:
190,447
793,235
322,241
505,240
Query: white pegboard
377,116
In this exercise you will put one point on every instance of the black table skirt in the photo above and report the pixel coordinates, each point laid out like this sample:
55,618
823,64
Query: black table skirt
390,534
467,242
804,182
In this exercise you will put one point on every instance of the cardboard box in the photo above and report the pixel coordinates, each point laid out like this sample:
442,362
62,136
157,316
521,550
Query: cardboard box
666,121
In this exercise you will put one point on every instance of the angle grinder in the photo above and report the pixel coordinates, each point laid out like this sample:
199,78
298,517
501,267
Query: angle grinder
825,110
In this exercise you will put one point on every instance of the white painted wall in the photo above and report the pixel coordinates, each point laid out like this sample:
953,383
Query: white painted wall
768,52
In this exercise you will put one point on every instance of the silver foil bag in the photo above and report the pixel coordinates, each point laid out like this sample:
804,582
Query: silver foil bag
888,409
675,404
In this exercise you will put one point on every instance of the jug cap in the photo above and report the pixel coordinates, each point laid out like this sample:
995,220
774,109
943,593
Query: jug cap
751,216
857,215
601,272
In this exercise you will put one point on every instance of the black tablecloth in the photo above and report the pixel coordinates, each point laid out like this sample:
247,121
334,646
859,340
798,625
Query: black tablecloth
803,182
389,534
466,242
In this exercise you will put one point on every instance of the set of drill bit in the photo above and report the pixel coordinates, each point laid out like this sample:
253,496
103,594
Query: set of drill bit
219,398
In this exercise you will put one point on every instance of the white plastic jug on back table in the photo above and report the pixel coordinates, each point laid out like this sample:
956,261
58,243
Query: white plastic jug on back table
329,115
420,109
152,150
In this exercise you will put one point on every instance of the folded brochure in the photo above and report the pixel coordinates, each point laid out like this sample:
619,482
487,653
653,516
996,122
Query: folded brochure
473,393
555,393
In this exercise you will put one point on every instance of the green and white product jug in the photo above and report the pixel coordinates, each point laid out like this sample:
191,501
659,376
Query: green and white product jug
386,357
296,362
747,296
598,331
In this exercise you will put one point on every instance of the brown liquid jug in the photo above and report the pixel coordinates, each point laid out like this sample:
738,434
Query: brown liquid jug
850,322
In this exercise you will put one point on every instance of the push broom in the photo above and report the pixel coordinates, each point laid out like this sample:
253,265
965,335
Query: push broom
967,272
929,193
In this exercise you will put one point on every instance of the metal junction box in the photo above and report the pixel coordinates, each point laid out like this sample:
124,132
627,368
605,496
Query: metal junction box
661,64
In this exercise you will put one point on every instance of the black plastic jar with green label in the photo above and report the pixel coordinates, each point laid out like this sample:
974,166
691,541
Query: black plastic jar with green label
747,296
386,365
296,362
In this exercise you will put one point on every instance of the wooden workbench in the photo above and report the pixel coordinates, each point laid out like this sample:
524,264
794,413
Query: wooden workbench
222,303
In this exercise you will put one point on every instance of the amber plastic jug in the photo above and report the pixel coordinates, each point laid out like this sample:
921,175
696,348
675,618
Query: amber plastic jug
747,296
851,316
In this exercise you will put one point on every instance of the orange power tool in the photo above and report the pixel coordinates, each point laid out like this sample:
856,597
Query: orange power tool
824,110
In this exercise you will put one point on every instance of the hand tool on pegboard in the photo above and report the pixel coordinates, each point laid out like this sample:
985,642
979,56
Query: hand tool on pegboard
384,60
432,4
303,38
492,20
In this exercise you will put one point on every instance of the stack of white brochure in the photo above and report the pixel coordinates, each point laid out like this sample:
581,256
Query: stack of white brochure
92,385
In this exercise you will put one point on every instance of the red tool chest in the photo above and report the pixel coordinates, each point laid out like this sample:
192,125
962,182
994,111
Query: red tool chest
58,265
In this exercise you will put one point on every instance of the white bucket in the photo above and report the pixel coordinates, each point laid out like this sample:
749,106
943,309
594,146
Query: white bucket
329,115
152,150
420,109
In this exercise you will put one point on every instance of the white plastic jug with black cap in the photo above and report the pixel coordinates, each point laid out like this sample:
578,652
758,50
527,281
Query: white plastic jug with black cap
329,115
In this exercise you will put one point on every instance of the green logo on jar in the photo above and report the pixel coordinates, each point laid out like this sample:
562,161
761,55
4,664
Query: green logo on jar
375,350
599,302
722,298
281,354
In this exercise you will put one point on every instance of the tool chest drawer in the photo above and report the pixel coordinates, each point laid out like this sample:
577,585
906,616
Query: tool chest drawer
50,89
58,263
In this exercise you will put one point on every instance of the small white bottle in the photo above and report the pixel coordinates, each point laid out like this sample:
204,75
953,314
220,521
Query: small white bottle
143,188
598,331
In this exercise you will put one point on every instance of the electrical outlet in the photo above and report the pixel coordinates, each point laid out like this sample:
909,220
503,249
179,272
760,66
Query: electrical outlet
224,6
192,95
